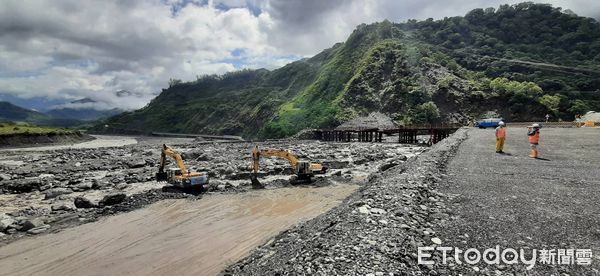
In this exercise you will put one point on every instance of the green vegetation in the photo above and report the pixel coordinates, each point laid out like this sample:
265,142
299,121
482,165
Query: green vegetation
10,128
487,40
418,72
13,113
10,112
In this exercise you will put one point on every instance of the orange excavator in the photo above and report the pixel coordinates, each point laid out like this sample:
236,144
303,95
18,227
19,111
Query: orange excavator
304,170
180,176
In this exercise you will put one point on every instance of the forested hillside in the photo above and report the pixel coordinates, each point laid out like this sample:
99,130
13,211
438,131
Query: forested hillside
521,61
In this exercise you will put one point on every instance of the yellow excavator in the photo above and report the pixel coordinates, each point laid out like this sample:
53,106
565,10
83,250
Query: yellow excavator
304,170
180,176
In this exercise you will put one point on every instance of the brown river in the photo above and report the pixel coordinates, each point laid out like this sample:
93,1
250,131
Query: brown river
173,237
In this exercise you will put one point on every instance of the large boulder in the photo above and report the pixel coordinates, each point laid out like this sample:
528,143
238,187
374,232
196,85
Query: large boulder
5,177
32,223
83,186
39,230
191,154
136,163
6,222
52,193
113,199
82,202
23,185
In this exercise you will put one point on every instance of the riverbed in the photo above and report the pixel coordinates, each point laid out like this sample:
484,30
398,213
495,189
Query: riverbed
177,237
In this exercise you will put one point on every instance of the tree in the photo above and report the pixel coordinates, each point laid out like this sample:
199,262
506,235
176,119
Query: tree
551,102
428,112
579,107
174,82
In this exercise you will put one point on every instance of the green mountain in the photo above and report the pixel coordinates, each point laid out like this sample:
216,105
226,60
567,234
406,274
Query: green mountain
521,61
11,112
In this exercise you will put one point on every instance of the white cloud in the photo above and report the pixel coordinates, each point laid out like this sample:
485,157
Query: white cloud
75,49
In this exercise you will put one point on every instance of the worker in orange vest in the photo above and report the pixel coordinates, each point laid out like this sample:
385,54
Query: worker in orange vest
500,137
533,132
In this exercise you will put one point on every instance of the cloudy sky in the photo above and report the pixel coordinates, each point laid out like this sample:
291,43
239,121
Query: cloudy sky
54,52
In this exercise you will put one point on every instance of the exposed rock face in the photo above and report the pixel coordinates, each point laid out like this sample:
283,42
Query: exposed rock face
373,120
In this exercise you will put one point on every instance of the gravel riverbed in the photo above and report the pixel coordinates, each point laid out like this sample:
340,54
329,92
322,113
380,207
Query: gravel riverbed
44,190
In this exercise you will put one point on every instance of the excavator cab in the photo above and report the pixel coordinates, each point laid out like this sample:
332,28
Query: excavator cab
303,169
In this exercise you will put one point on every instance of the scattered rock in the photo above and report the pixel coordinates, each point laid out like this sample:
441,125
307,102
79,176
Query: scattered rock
113,199
32,223
82,202
364,209
388,166
136,163
437,241
204,157
25,185
377,211
39,229
6,222
61,207
4,176
45,176
84,186
52,193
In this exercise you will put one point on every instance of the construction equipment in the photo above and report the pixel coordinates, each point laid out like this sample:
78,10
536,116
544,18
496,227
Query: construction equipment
304,170
180,176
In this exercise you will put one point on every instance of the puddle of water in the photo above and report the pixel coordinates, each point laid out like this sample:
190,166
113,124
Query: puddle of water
177,237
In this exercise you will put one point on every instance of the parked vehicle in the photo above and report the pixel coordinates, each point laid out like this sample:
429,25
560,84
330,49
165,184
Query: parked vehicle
485,123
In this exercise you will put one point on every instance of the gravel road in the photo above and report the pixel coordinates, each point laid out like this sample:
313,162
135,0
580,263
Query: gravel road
459,194
514,201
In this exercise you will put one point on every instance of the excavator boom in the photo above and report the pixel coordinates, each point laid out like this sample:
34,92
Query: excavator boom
256,153
304,170
180,177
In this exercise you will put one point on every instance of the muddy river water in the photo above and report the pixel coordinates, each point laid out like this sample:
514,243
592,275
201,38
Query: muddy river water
175,237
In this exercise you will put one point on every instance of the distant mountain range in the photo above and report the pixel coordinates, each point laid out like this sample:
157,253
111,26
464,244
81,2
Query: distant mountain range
78,110
62,117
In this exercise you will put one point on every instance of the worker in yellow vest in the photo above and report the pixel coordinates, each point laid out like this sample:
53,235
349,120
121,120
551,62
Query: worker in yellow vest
533,131
500,137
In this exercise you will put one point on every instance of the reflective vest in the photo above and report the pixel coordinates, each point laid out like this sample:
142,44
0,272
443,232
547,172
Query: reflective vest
535,138
500,132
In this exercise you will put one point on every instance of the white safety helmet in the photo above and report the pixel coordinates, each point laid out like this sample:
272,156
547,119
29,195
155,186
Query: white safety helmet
535,125
501,123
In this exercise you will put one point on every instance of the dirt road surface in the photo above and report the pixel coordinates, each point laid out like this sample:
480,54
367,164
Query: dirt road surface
176,237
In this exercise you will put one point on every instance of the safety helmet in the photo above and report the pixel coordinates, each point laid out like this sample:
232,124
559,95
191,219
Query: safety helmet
535,125
501,123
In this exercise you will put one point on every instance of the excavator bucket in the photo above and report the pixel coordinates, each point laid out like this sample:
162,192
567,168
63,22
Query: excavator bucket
255,183
161,176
